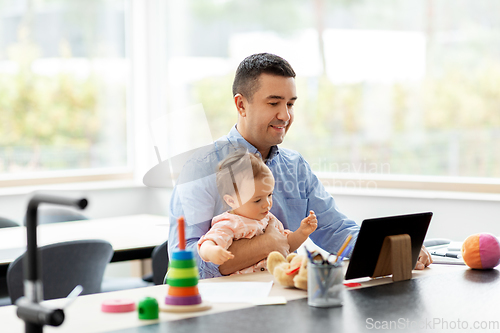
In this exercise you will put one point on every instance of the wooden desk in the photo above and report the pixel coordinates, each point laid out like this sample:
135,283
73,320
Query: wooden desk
132,237
444,293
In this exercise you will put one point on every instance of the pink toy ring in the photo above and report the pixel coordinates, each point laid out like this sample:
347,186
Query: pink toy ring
118,305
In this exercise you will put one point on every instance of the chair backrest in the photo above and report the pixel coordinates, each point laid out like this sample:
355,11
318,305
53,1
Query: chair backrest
58,214
160,263
7,223
63,266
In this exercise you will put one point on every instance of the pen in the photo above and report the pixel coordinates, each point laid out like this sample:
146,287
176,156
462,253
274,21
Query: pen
345,253
308,254
447,254
342,248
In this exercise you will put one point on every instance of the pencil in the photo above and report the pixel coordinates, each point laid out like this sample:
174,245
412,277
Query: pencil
182,237
342,248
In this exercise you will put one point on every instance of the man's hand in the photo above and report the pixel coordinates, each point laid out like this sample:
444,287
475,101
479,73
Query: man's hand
248,252
424,259
275,240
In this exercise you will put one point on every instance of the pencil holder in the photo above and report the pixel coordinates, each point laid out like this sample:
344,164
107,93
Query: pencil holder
325,285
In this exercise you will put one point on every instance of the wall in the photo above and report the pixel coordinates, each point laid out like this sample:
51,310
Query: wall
456,216
105,199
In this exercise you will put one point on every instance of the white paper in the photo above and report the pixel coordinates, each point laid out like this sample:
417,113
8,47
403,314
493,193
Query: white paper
454,247
234,292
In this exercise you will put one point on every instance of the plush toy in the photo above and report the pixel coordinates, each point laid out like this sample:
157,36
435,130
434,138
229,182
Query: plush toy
481,251
290,271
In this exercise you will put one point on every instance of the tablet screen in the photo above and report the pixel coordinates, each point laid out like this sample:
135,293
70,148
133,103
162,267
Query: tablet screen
371,236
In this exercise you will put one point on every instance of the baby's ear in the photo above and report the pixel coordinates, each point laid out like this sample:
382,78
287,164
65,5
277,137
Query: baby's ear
230,201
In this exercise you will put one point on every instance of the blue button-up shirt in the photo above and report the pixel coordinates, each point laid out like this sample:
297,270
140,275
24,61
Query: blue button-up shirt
297,191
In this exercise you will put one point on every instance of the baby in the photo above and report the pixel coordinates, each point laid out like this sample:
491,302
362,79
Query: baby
246,185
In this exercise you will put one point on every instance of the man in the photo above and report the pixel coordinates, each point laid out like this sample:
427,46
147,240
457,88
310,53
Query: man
264,95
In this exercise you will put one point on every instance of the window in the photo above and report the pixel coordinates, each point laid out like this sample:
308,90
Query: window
404,92
63,88
391,93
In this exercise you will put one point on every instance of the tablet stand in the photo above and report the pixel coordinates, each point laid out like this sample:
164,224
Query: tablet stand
395,258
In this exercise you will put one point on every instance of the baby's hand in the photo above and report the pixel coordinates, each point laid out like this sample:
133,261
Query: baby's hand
309,224
219,255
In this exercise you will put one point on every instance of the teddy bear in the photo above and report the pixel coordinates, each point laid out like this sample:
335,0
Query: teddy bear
290,271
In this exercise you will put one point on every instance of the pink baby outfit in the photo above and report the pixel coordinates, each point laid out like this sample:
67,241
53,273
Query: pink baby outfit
227,227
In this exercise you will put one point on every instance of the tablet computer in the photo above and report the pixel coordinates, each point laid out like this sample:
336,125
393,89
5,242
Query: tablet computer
371,236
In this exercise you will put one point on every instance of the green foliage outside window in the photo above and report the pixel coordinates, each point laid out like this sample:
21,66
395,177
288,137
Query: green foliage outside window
455,130
56,114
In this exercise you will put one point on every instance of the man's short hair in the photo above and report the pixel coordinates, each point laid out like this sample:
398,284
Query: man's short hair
246,79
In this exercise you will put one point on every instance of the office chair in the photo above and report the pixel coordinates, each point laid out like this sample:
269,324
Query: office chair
159,263
64,265
57,214
7,223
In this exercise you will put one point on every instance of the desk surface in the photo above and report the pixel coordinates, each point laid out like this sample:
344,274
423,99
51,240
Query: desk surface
438,296
126,234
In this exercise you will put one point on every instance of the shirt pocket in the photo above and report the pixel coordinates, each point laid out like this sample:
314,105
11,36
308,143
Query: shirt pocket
296,211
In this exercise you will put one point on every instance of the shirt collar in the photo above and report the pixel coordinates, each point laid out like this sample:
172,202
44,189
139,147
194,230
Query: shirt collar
235,138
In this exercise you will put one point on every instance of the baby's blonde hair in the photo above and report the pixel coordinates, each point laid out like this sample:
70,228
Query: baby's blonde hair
237,163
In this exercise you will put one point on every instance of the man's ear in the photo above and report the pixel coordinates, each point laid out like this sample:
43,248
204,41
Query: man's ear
240,103
230,201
